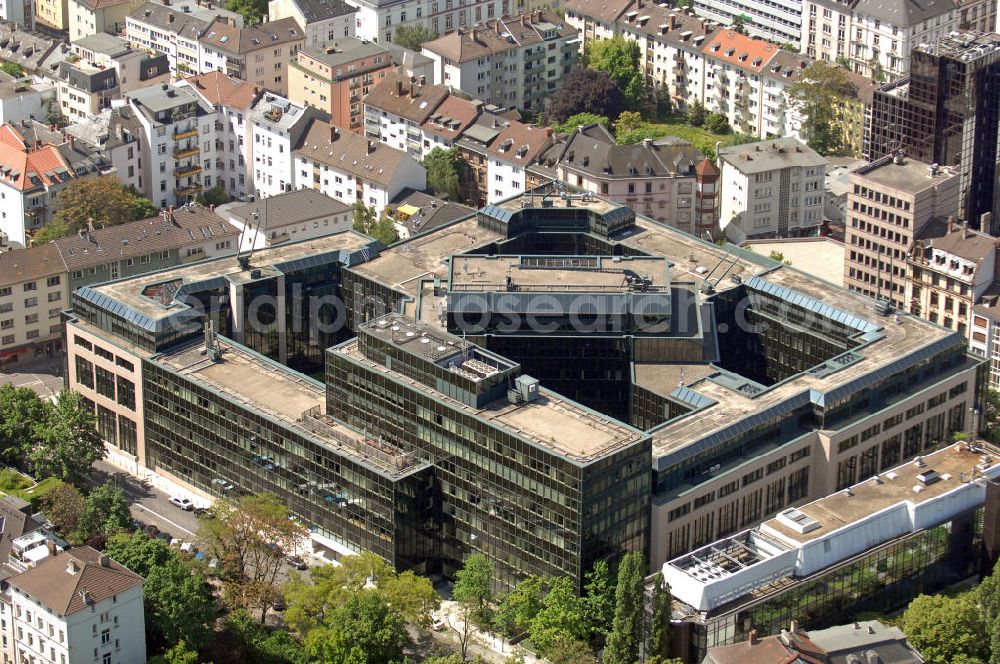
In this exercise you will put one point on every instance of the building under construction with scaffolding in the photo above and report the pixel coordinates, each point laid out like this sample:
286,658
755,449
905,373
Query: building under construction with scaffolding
550,381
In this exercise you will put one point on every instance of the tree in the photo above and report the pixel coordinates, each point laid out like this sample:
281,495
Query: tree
626,629
947,630
988,596
443,171
563,616
659,628
696,114
250,537
585,91
53,230
628,121
12,69
21,411
243,639
379,228
473,583
64,506
740,24
600,598
102,200
252,11
214,196
519,607
412,595
571,123
619,57
995,643
105,512
179,602
365,630
568,651
413,36
664,105
181,653
717,123
68,442
816,93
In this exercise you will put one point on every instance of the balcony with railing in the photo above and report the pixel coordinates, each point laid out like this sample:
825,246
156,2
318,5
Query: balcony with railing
182,133
187,170
182,151
188,189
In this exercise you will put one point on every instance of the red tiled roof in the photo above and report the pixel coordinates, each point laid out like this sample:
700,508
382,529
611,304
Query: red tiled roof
740,50
520,143
451,118
17,164
218,88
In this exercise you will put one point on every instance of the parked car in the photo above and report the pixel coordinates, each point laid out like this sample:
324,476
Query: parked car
183,503
296,562
151,530
279,602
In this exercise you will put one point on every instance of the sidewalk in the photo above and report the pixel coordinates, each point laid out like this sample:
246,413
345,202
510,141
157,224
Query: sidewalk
491,647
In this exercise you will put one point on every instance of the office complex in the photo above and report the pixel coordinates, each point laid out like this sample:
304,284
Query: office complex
947,113
871,547
505,383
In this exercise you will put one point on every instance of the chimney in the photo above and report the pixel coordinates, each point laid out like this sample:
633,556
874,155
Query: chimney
638,4
548,132
371,147
522,19
793,627
170,18
423,79
475,35
951,223
671,22
104,561
399,88
72,567
72,141
334,134
170,213
752,637
90,224
52,548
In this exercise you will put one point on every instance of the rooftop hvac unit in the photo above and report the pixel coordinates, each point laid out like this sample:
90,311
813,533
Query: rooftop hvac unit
525,390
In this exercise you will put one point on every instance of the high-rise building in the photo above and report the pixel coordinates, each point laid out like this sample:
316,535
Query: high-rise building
947,113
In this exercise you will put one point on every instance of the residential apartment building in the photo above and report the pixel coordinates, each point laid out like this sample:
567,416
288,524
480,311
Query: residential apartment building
656,178
30,179
771,189
233,100
135,68
22,100
949,267
257,54
322,20
85,90
78,607
303,214
513,61
889,203
729,73
277,126
779,22
178,137
473,145
33,291
353,169
115,135
514,149
35,53
955,125
174,31
980,15
336,76
874,38
90,17
397,108
21,12
377,20
53,14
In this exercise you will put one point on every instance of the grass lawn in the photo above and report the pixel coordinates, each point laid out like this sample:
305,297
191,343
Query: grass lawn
33,494
699,137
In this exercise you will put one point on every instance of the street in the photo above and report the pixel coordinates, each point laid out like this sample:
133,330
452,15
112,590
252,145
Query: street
150,505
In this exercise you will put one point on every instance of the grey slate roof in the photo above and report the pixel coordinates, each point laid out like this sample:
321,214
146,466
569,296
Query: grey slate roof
903,13
98,80
594,150
434,211
343,50
169,20
290,208
314,11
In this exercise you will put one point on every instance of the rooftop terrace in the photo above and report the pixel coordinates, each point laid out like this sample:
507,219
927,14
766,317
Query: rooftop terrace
550,421
558,274
911,176
135,292
283,395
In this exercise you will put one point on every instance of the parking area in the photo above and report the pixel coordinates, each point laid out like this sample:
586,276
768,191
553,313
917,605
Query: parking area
43,375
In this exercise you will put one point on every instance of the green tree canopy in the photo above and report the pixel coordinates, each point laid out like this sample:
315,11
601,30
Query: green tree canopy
242,639
364,630
413,36
21,412
696,114
717,123
659,625
105,511
518,608
563,616
64,506
579,120
374,226
947,630
179,603
253,12
474,582
102,199
12,69
68,441
585,91
600,598
626,630
816,92
619,57
443,169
